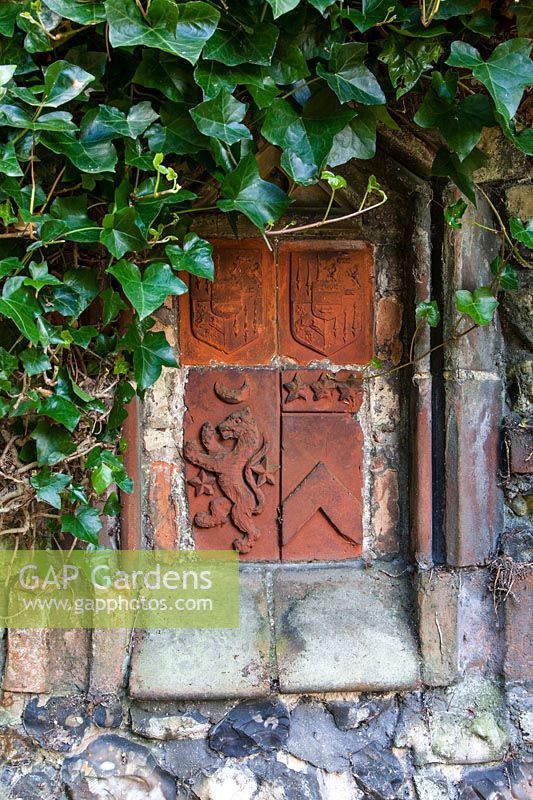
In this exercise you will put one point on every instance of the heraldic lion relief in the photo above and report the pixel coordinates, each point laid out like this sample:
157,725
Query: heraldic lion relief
238,471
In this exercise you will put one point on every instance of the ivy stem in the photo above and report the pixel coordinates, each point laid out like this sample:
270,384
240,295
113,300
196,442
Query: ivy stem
320,223
421,356
52,190
328,209
300,86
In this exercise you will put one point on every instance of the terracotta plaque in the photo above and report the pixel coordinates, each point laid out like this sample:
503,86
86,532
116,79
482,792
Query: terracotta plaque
321,487
232,459
326,302
320,390
231,320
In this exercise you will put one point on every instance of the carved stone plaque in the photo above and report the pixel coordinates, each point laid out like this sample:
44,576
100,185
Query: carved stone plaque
232,460
326,300
321,487
232,319
321,390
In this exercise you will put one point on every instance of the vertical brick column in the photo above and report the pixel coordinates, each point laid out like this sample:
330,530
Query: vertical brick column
474,390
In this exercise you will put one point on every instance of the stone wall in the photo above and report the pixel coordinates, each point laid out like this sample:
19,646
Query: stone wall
392,676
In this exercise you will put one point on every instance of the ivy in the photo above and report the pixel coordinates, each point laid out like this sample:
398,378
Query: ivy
121,119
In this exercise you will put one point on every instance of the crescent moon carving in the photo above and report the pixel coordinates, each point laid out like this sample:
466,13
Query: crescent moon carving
233,396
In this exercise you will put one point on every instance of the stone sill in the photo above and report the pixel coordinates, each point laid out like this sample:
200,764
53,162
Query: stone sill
304,628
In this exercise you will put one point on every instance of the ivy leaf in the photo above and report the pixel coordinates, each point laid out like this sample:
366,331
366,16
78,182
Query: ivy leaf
245,191
460,124
479,305
507,275
124,394
149,291
454,212
63,82
221,118
238,46
448,165
524,16
349,77
374,12
61,410
520,232
112,305
8,14
429,310
13,116
121,234
178,28
505,74
166,73
84,524
9,164
85,12
280,7
49,485
320,5
20,307
8,364
53,444
87,154
151,352
35,361
196,256
116,124
178,134
68,220
306,139
408,60
356,140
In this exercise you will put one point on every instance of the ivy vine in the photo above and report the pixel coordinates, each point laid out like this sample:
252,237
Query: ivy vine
121,119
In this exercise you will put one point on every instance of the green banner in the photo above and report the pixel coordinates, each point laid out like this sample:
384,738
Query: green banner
119,589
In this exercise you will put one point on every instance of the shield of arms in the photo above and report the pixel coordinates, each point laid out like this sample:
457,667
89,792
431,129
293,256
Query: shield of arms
227,313
325,316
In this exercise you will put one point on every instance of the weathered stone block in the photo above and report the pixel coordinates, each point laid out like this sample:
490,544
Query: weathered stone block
110,653
465,724
344,628
207,663
438,594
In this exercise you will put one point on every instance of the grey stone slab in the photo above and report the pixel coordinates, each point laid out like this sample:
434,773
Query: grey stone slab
344,629
208,663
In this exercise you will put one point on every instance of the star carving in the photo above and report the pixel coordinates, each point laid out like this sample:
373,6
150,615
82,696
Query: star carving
264,471
203,483
296,389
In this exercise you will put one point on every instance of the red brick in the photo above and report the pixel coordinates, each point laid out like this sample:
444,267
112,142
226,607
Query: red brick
233,319
130,514
319,390
519,630
388,329
421,478
163,505
521,449
326,301
321,487
233,481
474,509
27,661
